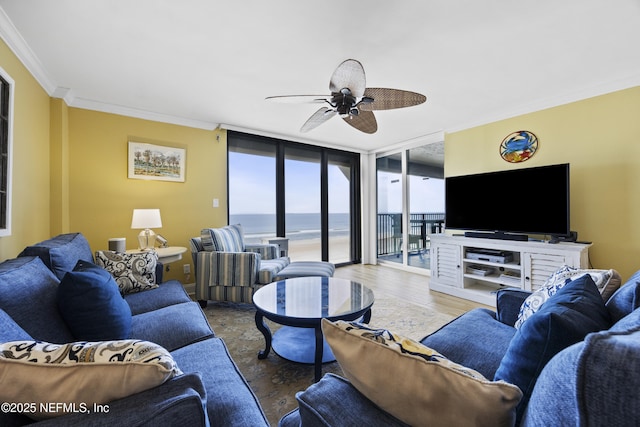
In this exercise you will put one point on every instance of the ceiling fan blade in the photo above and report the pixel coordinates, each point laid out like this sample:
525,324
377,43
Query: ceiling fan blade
387,99
364,122
318,118
299,99
349,74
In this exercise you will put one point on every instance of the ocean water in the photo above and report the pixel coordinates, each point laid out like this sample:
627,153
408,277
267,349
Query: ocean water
299,226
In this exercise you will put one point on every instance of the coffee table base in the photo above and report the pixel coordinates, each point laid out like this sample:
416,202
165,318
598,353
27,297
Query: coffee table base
299,345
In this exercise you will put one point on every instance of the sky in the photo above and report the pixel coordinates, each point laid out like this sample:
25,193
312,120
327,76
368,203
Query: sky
253,189
252,183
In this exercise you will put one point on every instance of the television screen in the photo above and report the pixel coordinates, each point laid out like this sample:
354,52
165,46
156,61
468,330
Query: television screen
527,201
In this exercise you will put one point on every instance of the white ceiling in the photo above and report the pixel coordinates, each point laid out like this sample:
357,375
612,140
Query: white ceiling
206,62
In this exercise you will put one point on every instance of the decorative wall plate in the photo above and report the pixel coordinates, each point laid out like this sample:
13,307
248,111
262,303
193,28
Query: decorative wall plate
518,146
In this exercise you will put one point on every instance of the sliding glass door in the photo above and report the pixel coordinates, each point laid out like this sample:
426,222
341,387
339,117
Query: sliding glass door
390,200
308,194
410,200
252,177
303,203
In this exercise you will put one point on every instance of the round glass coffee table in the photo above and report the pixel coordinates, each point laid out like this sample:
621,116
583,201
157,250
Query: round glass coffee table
299,305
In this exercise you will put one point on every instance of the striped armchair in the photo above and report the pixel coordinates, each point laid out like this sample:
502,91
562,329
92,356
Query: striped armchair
228,269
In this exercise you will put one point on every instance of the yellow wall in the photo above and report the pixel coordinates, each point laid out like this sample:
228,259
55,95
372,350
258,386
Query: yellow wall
599,138
102,197
30,173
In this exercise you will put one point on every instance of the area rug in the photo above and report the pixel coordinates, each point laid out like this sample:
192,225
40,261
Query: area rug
276,381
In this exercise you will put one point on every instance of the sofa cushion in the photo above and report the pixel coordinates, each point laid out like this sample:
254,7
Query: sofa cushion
168,293
475,340
80,373
270,268
566,318
323,404
132,272
592,383
10,330
607,281
415,383
630,321
172,327
61,253
230,400
626,299
92,306
28,292
225,239
306,269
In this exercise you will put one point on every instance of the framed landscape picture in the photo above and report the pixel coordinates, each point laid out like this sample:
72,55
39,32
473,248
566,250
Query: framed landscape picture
156,162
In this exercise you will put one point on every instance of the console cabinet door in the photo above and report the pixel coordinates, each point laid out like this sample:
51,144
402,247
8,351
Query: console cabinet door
538,267
446,264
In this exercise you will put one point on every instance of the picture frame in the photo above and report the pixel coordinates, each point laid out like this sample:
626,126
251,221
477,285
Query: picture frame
156,162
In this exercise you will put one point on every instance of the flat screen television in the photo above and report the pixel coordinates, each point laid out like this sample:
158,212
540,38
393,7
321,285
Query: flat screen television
529,201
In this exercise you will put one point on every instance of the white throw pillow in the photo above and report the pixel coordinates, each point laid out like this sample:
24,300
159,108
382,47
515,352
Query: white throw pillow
607,281
132,272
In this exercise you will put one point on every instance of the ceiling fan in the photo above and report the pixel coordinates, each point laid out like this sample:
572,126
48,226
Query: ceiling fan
352,100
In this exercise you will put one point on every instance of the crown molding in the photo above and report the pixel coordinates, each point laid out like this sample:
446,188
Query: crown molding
14,40
88,104
21,49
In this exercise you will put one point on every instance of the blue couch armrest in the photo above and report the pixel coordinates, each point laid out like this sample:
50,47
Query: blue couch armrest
333,401
508,302
179,401
61,253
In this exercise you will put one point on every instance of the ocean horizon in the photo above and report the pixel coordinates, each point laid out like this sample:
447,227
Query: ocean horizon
298,226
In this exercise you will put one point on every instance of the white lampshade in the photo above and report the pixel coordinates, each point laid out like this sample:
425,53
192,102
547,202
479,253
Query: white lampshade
146,218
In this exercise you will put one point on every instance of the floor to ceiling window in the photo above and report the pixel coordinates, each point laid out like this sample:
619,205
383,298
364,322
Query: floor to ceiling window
389,220
410,200
252,176
303,202
309,194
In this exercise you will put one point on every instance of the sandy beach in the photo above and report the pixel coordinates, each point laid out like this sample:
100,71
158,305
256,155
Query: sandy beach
309,249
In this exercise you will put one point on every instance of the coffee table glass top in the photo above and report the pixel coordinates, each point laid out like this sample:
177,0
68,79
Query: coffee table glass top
313,297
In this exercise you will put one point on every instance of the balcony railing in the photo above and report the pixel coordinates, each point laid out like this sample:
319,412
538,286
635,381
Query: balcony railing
420,226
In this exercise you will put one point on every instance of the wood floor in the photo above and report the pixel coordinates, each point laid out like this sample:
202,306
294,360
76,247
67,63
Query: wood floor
405,285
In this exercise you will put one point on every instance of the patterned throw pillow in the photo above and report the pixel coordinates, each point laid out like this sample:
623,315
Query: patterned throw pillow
225,239
415,383
61,378
607,281
132,272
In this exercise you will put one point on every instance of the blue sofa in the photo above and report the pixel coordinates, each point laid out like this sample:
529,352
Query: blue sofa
211,390
593,382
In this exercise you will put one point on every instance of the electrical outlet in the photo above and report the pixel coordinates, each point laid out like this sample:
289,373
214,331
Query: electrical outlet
186,269
216,203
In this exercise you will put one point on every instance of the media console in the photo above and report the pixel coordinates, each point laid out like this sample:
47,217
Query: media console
476,268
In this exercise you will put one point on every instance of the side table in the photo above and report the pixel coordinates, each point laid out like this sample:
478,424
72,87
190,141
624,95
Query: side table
165,255
282,242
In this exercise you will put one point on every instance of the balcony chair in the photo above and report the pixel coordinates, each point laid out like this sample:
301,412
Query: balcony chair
228,269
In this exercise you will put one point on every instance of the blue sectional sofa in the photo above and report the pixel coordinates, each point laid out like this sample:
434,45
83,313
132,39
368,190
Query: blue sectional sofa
210,389
593,380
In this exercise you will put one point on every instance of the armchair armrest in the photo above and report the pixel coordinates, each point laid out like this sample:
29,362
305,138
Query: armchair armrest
226,269
266,250
508,302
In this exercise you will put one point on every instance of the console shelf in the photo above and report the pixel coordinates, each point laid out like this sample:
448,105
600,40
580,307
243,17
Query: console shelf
527,264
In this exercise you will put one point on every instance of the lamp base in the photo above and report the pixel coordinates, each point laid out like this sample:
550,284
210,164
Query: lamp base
146,239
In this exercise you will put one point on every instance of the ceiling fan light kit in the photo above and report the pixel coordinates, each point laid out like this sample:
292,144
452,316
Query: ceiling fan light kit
352,100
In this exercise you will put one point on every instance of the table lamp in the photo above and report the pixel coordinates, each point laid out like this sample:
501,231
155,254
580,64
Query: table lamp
146,219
